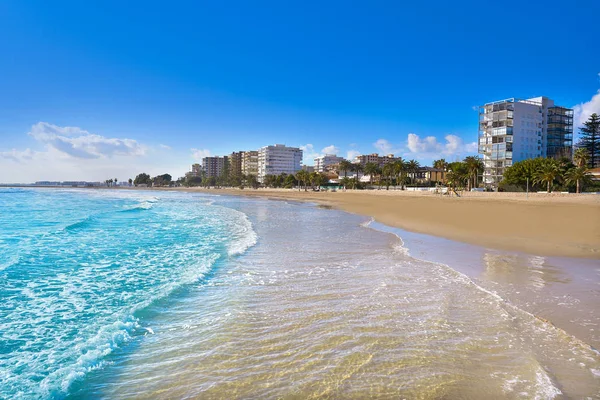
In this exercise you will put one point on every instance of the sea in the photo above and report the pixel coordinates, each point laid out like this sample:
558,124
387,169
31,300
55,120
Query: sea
126,294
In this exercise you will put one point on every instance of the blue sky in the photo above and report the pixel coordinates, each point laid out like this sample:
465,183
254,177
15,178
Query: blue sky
93,90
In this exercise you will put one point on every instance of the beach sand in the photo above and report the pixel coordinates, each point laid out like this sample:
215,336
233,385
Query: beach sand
565,225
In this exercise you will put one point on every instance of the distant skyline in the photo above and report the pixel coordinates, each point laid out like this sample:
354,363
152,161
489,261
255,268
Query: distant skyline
92,92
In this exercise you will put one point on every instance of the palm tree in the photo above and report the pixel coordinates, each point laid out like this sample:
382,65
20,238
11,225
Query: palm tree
412,166
357,168
130,181
399,168
302,176
370,169
577,175
581,157
316,179
345,182
388,172
345,166
548,173
474,167
116,180
440,164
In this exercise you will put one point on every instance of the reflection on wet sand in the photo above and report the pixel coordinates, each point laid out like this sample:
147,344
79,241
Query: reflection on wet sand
533,272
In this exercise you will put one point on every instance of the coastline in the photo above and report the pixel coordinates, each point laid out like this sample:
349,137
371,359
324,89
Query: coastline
546,225
555,224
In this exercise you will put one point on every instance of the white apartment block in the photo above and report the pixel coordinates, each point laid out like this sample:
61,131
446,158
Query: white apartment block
278,159
328,159
513,130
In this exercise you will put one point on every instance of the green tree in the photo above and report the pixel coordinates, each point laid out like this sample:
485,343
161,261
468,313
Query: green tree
316,179
581,157
142,179
589,139
357,168
440,164
578,176
521,172
345,166
289,181
130,181
387,172
399,169
474,166
302,177
548,173
412,167
346,182
371,169
457,175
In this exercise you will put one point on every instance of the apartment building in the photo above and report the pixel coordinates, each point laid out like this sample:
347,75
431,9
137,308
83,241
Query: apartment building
322,162
278,159
235,164
250,163
513,130
214,166
375,159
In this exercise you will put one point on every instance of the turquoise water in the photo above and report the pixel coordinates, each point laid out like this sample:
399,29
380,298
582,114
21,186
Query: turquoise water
115,294
77,267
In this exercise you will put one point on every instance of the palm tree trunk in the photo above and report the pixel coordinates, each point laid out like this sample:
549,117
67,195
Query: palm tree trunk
548,186
577,186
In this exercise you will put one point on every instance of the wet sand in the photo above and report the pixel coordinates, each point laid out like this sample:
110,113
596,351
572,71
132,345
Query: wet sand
545,225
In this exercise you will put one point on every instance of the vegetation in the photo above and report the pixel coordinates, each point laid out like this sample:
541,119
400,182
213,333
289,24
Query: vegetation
590,140
142,179
545,173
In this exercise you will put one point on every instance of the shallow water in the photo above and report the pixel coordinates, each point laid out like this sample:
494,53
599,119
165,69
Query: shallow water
322,306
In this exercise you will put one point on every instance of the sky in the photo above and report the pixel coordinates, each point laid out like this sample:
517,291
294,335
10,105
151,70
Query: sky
93,90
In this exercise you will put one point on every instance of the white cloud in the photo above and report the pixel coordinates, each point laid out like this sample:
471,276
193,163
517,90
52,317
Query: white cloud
309,153
199,154
330,150
429,145
351,154
385,147
71,153
78,143
582,111
18,156
164,146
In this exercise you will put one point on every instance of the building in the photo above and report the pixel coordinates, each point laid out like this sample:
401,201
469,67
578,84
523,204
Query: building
235,164
308,168
278,159
427,175
375,159
250,163
513,130
328,159
214,166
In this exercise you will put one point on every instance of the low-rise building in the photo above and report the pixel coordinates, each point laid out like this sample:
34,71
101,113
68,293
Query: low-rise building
322,162
375,159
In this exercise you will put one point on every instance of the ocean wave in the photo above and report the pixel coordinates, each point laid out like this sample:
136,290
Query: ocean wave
146,205
399,248
83,223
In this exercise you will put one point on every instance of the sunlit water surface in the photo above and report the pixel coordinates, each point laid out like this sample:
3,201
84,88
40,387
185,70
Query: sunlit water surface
123,295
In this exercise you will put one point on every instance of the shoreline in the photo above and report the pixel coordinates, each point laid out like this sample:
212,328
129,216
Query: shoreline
545,225
557,225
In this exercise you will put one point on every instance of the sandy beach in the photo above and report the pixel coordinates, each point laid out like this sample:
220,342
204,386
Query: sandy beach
544,224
